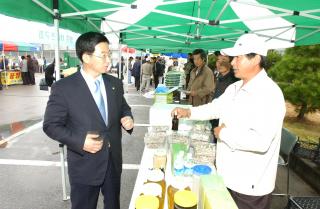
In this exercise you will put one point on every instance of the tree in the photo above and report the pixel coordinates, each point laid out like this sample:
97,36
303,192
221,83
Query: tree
212,61
298,75
272,58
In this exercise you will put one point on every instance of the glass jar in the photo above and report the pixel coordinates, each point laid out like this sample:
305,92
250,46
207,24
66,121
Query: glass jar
160,159
157,176
178,183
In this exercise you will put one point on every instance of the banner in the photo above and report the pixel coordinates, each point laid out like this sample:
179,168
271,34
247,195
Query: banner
11,78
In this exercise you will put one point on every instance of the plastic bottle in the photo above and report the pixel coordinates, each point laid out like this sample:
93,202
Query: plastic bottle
179,164
188,165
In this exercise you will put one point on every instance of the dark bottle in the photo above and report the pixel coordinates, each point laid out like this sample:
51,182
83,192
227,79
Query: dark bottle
175,122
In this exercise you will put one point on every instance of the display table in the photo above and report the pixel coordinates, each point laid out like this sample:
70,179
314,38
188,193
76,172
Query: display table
213,196
213,193
11,77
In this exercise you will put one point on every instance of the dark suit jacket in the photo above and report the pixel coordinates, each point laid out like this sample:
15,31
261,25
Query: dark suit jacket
71,112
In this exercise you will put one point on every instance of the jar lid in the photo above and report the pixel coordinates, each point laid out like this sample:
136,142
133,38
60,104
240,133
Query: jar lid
153,189
185,198
201,170
155,175
147,202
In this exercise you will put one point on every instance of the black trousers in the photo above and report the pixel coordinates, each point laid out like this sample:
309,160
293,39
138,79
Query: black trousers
25,78
86,196
32,78
137,83
251,202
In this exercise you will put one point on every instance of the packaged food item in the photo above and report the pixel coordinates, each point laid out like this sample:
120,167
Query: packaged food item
204,152
158,129
198,171
155,140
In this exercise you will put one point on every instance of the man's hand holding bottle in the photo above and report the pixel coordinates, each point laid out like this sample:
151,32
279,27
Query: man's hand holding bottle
181,112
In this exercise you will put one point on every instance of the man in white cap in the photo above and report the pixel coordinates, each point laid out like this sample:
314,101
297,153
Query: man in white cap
251,113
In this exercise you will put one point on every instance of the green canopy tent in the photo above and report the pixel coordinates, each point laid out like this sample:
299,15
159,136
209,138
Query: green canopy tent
181,25
188,24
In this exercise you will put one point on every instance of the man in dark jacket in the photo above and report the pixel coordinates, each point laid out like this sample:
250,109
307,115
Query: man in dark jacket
225,77
159,70
136,72
86,111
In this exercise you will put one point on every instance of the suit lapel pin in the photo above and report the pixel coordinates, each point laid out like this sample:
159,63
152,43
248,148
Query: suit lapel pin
113,88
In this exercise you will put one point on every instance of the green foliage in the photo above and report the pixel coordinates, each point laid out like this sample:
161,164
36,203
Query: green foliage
212,61
272,58
298,75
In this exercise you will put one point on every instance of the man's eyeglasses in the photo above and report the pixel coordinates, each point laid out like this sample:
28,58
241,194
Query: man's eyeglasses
103,56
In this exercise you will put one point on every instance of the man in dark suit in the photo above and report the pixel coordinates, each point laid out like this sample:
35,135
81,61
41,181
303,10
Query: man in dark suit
90,100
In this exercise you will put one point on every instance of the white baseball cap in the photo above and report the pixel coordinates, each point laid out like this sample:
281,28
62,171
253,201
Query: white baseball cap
148,59
246,44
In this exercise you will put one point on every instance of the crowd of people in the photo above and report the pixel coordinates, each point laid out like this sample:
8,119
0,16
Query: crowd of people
28,67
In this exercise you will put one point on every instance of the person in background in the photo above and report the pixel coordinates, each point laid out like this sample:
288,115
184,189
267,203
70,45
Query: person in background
130,65
159,71
188,68
24,71
225,77
251,113
120,71
44,63
32,68
144,60
136,69
50,72
146,72
201,84
86,111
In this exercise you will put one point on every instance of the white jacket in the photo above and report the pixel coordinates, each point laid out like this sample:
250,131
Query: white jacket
248,149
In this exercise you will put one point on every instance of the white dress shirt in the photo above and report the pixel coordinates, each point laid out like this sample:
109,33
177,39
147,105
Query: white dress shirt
92,87
248,149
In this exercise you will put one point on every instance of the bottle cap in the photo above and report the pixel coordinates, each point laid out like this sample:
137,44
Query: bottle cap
185,198
147,202
155,175
201,170
153,189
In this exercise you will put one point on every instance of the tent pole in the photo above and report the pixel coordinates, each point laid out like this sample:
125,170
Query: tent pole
140,80
119,61
56,18
4,67
56,48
